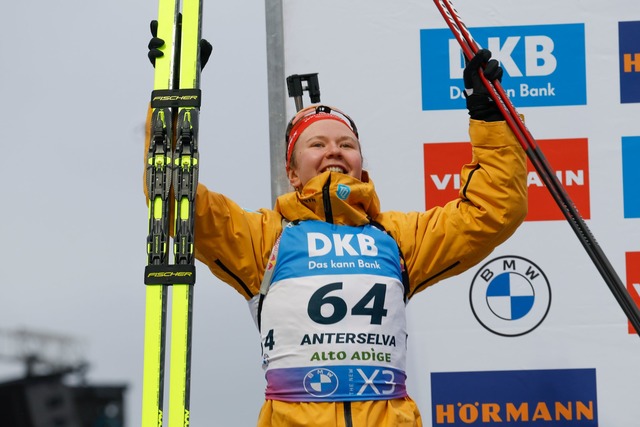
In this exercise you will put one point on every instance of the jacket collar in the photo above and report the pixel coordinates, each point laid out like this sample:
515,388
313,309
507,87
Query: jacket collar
332,197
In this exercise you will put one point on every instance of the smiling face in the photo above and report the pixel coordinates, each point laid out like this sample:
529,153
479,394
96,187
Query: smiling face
325,145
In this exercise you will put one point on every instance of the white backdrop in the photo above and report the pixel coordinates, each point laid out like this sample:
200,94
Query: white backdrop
371,63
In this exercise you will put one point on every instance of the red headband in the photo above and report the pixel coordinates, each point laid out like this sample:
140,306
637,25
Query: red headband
305,122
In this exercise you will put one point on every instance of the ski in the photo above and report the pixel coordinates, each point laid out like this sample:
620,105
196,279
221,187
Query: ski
172,164
185,182
538,160
158,181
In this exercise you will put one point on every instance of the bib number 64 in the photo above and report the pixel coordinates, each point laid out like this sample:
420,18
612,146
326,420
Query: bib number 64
371,304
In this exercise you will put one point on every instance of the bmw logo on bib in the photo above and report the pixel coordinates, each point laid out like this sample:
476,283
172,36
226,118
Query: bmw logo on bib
321,382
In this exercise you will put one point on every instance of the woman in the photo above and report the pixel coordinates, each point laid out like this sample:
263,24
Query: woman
327,275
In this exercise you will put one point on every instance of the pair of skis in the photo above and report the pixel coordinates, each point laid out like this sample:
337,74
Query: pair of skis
558,192
172,170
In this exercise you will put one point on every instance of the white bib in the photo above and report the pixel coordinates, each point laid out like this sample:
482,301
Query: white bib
333,322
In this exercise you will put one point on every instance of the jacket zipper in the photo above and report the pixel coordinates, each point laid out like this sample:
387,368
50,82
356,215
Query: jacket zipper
326,201
348,421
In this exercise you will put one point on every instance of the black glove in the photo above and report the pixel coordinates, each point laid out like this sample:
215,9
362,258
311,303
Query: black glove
479,103
156,43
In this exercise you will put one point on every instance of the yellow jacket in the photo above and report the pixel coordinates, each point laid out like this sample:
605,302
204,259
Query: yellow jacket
442,242
235,244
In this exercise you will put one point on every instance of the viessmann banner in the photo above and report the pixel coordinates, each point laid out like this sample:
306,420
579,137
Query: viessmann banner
532,335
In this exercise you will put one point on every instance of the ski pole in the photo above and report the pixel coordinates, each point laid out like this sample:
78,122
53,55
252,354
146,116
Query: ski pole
540,163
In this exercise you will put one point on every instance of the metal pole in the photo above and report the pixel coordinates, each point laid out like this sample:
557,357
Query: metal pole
277,96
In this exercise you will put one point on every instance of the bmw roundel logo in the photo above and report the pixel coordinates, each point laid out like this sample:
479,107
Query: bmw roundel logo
510,296
321,382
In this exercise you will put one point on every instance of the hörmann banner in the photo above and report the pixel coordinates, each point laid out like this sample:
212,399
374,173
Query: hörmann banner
629,35
557,397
